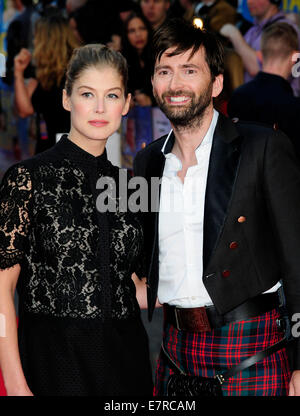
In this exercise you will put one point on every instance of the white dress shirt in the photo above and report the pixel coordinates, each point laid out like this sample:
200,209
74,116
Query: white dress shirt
181,217
181,228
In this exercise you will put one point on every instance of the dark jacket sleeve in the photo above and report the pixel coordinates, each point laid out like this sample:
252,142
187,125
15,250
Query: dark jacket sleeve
282,192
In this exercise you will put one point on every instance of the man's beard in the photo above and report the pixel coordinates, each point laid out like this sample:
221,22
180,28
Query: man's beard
185,117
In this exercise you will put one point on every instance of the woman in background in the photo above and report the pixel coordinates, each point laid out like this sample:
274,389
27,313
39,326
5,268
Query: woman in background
80,331
137,49
53,46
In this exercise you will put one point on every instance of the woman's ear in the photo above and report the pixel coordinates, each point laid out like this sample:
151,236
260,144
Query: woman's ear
126,105
66,101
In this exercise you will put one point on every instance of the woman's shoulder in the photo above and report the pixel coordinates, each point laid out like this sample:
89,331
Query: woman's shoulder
31,164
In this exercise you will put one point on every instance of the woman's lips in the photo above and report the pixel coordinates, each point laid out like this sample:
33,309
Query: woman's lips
98,123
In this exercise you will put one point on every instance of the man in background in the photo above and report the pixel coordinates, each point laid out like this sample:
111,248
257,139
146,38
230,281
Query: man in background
155,11
265,13
269,98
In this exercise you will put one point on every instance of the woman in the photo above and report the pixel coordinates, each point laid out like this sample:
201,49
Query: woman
80,331
136,47
53,46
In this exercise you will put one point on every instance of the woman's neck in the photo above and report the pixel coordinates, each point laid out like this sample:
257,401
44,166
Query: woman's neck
94,147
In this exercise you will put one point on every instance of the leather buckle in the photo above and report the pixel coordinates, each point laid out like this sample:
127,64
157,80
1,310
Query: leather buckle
177,318
192,319
201,320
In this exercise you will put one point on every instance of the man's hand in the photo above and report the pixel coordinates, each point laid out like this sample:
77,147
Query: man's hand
22,60
295,384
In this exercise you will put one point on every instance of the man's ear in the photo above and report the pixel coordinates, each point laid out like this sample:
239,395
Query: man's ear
259,56
217,85
126,105
66,101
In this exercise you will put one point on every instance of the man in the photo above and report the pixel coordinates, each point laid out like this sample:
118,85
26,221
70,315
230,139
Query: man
228,226
155,11
265,13
269,98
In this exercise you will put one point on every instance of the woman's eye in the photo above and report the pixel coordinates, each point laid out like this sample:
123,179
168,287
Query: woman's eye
87,94
114,96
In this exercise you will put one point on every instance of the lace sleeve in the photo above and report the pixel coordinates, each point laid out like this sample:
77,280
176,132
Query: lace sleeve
15,196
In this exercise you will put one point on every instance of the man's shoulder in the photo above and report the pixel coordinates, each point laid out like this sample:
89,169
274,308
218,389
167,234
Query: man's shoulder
257,135
152,148
246,88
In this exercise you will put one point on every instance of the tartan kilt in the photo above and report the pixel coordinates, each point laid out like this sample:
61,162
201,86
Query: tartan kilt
212,352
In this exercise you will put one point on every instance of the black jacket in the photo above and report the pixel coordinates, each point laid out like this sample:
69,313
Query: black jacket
253,172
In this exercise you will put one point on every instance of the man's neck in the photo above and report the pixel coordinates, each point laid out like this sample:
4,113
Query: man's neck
188,139
269,13
281,69
158,24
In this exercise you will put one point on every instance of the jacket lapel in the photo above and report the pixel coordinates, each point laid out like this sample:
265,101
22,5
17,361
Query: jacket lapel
154,170
223,166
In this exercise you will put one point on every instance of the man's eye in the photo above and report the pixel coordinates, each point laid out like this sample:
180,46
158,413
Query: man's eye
163,72
190,71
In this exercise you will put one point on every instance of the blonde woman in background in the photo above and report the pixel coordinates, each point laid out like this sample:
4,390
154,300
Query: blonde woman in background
53,46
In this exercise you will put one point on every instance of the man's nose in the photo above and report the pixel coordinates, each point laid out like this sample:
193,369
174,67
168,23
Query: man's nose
176,82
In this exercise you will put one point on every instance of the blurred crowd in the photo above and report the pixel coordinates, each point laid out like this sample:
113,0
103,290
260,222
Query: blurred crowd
261,81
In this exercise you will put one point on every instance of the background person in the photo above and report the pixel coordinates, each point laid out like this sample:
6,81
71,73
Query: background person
137,49
265,13
269,98
53,46
155,11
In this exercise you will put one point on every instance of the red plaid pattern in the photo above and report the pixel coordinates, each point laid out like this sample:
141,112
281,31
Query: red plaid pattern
210,353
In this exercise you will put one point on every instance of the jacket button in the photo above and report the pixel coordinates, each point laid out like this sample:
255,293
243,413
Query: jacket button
233,245
225,273
241,219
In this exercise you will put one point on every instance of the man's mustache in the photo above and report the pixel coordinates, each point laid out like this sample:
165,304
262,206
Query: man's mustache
177,93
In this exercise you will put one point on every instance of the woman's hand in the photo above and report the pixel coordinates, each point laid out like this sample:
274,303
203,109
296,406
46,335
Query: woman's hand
22,61
24,391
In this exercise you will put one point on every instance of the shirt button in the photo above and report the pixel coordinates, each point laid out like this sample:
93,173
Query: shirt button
233,245
241,219
225,273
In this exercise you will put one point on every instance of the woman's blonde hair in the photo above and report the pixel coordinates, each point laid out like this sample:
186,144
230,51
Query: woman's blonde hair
53,46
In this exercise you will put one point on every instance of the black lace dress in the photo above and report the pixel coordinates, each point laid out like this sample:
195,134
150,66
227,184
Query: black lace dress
80,331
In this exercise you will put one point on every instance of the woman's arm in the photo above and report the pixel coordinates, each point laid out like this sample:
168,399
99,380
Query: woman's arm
141,292
23,92
248,54
10,362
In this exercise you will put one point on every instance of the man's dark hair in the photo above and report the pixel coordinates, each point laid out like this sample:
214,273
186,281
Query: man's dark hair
184,36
